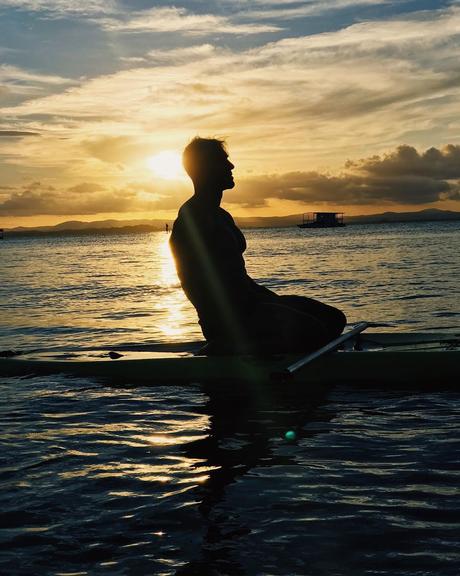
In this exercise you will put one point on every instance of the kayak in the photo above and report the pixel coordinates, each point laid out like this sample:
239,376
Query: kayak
366,359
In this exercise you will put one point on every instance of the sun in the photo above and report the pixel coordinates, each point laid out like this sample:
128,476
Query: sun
166,165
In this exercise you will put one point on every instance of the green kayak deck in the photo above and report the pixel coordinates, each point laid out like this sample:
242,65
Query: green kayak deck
371,358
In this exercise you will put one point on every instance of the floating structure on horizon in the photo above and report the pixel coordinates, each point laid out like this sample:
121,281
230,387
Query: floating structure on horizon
322,220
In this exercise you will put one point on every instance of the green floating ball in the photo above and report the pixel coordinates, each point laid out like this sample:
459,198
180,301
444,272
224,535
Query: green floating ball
290,435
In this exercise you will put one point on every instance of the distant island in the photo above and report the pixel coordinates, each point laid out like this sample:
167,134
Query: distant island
76,227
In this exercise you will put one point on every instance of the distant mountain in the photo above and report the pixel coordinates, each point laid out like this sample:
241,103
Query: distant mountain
129,226
75,227
78,226
428,215
431,214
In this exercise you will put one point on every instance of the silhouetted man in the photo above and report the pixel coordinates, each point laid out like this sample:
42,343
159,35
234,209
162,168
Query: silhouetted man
236,314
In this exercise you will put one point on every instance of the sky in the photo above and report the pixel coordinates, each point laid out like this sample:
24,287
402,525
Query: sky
347,105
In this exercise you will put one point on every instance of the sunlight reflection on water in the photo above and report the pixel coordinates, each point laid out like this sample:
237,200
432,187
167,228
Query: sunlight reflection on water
114,289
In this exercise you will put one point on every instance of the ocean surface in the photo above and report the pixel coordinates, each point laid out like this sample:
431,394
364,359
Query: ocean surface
101,480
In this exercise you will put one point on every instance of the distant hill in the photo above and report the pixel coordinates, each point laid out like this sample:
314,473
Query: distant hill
428,215
73,226
76,227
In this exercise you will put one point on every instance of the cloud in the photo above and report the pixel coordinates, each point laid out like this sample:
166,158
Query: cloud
318,4
113,149
14,74
85,188
37,199
172,19
16,133
300,105
407,161
289,10
183,55
401,177
18,84
90,198
113,17
372,82
315,188
61,8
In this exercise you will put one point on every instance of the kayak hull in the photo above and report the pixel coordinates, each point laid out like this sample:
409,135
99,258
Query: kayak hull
411,359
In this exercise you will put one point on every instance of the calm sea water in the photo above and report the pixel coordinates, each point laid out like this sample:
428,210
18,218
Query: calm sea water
183,480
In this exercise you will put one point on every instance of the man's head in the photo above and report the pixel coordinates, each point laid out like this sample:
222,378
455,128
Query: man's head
206,162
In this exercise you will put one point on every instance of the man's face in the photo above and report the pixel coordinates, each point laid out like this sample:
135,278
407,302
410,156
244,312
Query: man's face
220,171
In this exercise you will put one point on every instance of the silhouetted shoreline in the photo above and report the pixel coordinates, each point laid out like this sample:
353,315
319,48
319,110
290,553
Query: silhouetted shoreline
111,227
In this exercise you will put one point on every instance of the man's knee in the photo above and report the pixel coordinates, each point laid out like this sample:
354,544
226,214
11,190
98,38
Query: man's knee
337,320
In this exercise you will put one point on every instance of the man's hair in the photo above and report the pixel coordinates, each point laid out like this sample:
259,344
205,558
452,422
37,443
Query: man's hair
198,153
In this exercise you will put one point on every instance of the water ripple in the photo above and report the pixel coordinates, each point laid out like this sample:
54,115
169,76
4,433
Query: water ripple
173,480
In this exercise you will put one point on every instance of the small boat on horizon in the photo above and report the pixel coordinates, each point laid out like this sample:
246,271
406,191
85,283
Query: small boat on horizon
322,220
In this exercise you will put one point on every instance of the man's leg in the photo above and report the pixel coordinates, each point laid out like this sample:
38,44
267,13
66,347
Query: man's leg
333,319
294,323
283,324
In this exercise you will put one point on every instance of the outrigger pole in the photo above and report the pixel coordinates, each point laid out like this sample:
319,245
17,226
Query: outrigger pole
290,370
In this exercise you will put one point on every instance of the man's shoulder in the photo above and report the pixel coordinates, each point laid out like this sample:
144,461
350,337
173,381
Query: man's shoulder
186,207
227,217
225,214
191,209
193,216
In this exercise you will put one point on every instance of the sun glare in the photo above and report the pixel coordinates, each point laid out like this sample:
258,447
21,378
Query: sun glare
167,165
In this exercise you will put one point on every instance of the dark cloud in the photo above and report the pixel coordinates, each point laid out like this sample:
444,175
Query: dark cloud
36,199
85,188
402,177
90,198
438,164
16,133
312,187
